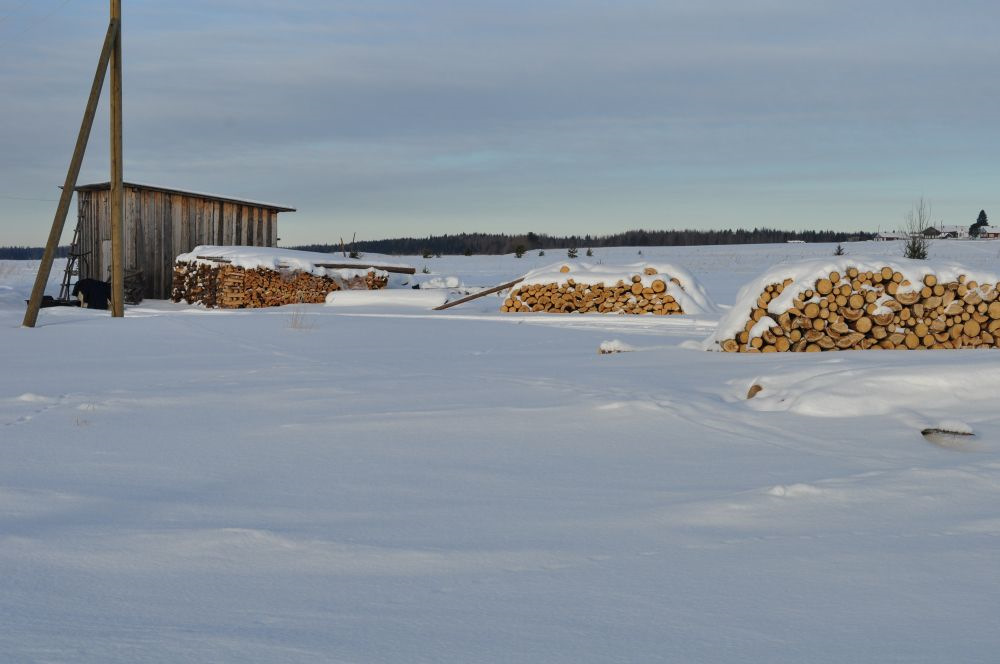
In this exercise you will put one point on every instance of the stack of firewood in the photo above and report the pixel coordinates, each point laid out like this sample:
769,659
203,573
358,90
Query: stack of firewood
231,287
873,310
195,283
569,296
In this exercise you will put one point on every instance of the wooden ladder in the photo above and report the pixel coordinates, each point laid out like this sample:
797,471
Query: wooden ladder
72,264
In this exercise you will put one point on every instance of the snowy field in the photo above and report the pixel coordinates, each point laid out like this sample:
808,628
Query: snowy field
376,482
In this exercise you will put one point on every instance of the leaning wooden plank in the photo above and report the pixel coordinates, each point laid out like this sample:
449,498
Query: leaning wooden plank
214,259
474,296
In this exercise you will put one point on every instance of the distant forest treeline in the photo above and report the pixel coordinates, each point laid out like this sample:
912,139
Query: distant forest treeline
500,243
28,253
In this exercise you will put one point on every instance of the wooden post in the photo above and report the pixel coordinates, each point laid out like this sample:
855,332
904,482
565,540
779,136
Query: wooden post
59,221
117,198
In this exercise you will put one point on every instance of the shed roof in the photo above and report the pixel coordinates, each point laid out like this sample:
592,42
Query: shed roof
215,197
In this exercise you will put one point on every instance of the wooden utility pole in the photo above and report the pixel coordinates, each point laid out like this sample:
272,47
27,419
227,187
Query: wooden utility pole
59,221
117,199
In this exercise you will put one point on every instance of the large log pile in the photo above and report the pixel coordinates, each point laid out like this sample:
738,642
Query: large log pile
641,289
572,297
869,309
224,285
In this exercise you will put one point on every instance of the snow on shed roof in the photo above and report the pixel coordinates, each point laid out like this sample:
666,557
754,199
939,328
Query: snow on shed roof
99,186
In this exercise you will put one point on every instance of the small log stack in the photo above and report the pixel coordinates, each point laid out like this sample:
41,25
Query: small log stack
623,297
231,287
861,310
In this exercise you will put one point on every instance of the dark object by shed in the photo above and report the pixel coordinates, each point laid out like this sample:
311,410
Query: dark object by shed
161,223
96,294
49,301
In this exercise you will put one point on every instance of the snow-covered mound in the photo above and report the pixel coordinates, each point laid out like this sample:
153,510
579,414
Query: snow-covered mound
273,258
400,297
852,302
597,288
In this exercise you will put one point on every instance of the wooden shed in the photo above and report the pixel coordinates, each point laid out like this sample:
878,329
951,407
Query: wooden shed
161,223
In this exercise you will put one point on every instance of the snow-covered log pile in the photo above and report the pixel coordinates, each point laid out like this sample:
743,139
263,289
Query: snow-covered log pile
627,289
848,304
251,277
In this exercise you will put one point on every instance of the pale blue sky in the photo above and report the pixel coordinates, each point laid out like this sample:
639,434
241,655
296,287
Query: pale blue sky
390,118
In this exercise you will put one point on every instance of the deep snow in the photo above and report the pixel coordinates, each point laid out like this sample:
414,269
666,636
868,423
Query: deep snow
375,482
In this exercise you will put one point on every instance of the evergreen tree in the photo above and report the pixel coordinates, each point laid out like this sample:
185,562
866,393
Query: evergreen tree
981,221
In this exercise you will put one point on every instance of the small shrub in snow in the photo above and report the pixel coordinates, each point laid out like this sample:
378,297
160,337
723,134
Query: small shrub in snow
915,247
519,250
590,252
839,251
297,320
918,219
572,252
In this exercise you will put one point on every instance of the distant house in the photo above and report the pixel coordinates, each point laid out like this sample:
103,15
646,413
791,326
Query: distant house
887,236
943,232
989,232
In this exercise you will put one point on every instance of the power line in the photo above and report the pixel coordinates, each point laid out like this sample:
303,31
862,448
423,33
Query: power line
32,24
14,11
28,198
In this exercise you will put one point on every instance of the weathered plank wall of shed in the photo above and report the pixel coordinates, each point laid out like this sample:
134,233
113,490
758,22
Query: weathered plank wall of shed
88,205
135,240
161,225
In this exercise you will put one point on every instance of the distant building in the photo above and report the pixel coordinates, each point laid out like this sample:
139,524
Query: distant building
989,232
887,236
943,232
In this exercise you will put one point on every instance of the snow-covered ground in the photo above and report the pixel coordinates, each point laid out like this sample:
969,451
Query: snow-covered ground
371,481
